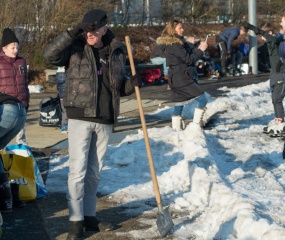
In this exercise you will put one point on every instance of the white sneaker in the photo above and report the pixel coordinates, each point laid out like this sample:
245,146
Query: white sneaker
270,124
277,129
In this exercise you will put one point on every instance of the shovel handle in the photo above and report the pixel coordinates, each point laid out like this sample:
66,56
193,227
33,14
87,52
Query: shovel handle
146,139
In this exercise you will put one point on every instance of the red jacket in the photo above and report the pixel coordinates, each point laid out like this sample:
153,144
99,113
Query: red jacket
14,78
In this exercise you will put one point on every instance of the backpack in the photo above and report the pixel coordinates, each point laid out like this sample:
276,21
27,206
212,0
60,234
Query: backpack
150,75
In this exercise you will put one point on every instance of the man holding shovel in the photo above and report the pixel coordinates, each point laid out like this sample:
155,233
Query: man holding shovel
95,68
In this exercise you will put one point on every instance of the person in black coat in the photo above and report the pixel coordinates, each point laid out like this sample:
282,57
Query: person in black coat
183,88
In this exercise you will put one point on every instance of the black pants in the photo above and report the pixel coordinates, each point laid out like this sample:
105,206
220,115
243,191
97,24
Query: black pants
223,55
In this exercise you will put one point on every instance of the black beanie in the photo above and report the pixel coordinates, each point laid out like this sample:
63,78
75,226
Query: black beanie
96,16
8,37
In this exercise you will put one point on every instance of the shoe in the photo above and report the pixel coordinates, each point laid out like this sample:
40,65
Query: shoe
270,124
230,73
200,117
64,129
238,72
168,87
275,128
177,123
75,231
94,224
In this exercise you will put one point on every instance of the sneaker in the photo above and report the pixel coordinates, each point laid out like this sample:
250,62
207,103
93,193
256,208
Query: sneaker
64,129
270,124
168,87
277,130
238,72
230,73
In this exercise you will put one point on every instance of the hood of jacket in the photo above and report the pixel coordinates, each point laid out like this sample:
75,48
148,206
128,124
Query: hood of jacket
168,40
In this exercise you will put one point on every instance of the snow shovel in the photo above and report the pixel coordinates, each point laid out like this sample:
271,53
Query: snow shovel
164,221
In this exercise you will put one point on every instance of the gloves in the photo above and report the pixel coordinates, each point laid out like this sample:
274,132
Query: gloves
256,30
136,81
80,28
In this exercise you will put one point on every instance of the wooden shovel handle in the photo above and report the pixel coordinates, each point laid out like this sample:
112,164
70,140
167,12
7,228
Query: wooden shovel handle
147,144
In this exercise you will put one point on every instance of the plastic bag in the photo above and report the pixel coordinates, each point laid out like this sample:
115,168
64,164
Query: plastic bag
19,162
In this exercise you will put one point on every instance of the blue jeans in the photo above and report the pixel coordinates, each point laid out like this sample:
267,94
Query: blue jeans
160,60
199,102
12,120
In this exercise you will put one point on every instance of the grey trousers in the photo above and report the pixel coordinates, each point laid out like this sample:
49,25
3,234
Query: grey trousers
88,143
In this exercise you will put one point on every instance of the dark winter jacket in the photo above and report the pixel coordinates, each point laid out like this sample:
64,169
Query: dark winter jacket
273,43
81,87
178,59
14,78
229,35
158,51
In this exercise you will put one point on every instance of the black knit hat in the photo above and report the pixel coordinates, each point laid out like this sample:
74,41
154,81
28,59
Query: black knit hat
8,37
96,16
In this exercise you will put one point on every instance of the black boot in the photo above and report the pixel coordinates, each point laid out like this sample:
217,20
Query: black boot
6,201
17,203
75,231
93,224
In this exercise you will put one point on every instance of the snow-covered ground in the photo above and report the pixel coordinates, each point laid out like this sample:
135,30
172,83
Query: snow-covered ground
225,182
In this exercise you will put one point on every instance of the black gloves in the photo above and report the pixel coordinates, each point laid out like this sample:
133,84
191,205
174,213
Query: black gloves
136,81
80,28
256,30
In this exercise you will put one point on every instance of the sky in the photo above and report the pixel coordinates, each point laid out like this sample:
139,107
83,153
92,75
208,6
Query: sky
223,182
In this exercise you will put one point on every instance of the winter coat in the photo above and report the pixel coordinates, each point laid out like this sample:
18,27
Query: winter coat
273,43
158,51
14,78
178,59
81,87
229,35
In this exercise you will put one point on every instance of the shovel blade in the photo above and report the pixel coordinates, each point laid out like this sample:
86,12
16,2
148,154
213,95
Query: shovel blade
164,222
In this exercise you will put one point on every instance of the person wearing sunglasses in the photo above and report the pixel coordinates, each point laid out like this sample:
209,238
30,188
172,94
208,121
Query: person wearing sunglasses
94,61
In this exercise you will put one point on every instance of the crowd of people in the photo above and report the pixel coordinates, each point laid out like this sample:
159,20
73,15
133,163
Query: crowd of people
91,77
